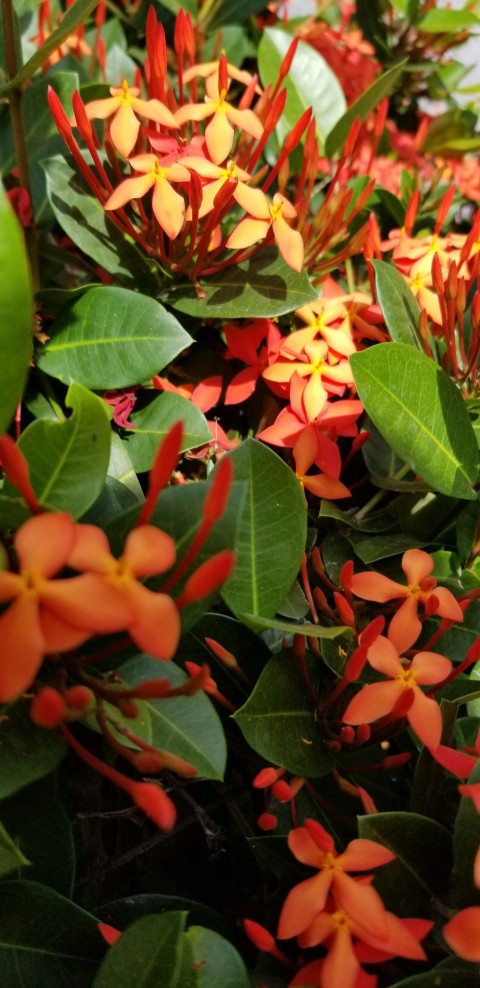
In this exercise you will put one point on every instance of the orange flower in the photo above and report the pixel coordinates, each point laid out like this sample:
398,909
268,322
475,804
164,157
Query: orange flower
152,619
219,133
46,615
168,206
231,173
312,359
266,215
462,933
379,699
305,452
305,903
124,103
405,626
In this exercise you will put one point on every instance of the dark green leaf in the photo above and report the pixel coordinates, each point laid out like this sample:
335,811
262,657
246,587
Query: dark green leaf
216,962
148,954
261,287
154,421
16,312
111,338
363,106
31,817
278,719
451,973
11,857
291,627
271,535
28,752
85,221
46,940
68,460
398,304
422,415
423,863
466,840
188,726
310,82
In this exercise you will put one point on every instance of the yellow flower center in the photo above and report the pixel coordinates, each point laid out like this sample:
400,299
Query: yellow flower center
331,863
340,919
31,582
230,172
125,95
413,590
157,171
276,210
407,679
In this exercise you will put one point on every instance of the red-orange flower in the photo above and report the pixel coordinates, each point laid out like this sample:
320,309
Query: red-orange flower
405,626
122,104
266,215
379,699
168,206
462,933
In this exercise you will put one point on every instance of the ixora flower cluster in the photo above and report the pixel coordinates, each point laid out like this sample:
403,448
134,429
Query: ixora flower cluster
50,615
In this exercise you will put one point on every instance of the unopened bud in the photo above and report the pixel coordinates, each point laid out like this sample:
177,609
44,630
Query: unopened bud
153,800
48,708
267,821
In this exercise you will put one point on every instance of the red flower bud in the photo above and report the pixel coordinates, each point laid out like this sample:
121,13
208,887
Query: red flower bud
267,821
48,708
153,800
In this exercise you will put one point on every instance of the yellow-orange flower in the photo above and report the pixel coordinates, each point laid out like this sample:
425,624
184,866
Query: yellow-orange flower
168,206
123,103
263,216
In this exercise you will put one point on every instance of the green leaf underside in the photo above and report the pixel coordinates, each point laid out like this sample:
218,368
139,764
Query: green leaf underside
278,719
85,221
189,726
111,338
271,534
293,628
68,460
446,21
45,939
419,411
261,287
16,312
310,82
398,304
154,421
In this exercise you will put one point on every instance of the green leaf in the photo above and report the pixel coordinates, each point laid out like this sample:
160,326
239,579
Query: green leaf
31,817
68,460
261,287
85,221
11,857
310,82
154,421
451,973
28,752
188,726
278,720
111,338
149,954
16,312
420,412
398,304
363,106
466,840
42,137
423,863
271,535
292,628
46,940
72,18
217,963
447,21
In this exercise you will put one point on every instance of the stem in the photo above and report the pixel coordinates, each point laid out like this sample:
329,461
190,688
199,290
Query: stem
18,130
372,503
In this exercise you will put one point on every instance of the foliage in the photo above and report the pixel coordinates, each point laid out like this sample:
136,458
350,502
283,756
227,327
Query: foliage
239,529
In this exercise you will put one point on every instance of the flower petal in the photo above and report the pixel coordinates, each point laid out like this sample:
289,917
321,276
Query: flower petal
131,188
169,207
156,626
405,626
22,645
340,966
372,702
374,586
90,602
43,543
219,136
363,854
149,551
383,656
462,933
425,719
429,668
304,848
361,902
303,904
91,550
247,233
124,129
290,244
416,565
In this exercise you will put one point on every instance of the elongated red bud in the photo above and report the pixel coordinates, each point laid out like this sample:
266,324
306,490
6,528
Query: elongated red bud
217,497
282,791
345,611
267,776
84,125
109,933
355,664
163,466
222,74
259,936
155,803
275,111
59,115
208,577
179,33
221,653
16,468
437,276
372,631
352,138
444,208
288,59
294,137
195,193
346,574
411,212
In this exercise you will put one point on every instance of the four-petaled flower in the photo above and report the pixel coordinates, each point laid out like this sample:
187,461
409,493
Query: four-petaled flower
219,133
168,206
263,216
402,690
124,102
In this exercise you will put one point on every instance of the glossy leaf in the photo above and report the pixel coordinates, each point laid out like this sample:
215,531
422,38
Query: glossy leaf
156,938
112,338
68,460
16,312
11,857
31,817
423,863
84,220
310,82
422,415
188,726
216,962
466,840
292,628
278,720
398,304
451,973
261,287
447,21
154,421
271,535
46,940
364,105
28,752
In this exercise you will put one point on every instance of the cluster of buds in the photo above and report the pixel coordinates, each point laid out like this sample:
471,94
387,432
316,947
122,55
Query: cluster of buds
63,587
